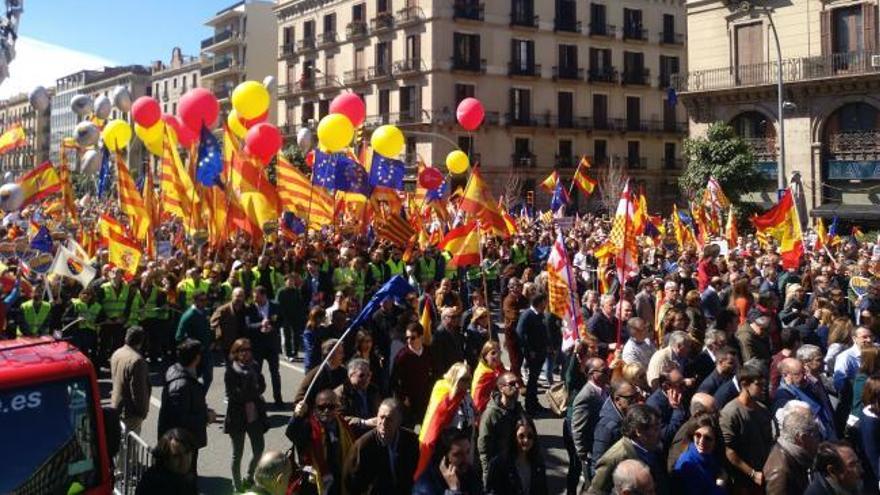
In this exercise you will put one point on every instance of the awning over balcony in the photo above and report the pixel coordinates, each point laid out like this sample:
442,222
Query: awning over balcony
847,212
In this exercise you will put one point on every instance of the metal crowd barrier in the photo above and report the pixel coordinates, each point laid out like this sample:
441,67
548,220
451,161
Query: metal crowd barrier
131,461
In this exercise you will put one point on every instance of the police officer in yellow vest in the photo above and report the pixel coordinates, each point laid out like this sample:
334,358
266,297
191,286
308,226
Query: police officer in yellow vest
428,267
115,299
267,276
396,265
87,310
519,255
150,310
35,315
378,272
188,287
350,277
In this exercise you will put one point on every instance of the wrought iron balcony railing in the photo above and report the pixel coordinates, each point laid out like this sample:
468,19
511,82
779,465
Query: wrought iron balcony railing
356,30
570,73
598,29
517,68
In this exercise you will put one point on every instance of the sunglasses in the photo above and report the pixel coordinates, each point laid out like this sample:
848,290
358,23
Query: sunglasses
325,407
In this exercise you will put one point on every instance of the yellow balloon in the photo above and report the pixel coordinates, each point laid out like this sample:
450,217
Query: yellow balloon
335,132
116,135
155,147
457,162
235,125
149,134
387,140
250,99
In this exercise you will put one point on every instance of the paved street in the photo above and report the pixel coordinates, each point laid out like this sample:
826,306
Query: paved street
215,459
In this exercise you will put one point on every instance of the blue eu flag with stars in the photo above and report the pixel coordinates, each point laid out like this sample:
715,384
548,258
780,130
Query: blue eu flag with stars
104,174
351,176
438,193
386,172
210,163
324,170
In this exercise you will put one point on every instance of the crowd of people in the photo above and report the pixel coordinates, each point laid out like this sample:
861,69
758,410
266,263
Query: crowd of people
702,373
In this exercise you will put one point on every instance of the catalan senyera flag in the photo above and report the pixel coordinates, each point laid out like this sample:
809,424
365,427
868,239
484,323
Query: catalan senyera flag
394,229
298,195
582,180
39,183
464,244
477,200
782,224
562,292
12,138
483,384
131,202
255,193
178,191
123,253
730,231
549,184
108,225
441,410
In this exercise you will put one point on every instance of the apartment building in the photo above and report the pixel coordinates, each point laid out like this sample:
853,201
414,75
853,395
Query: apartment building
239,49
558,79
831,76
18,110
171,81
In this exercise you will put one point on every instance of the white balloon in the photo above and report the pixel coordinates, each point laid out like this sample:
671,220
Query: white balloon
269,83
122,99
103,107
11,197
39,98
90,162
81,104
8,177
87,134
304,139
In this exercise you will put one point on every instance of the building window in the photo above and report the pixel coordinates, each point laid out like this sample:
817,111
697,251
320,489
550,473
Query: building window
601,69
195,80
522,12
174,108
463,91
633,113
323,108
466,144
174,83
633,154
849,31
565,153
669,161
309,30
522,147
565,108
308,112
566,16
598,20
668,35
383,6
384,102
632,24
383,54
156,91
520,105
287,35
600,152
633,68
329,23
522,56
466,51
358,12
409,102
165,89
183,84
413,48
749,40
668,67
600,111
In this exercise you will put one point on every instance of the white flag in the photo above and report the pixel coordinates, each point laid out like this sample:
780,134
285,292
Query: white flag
67,264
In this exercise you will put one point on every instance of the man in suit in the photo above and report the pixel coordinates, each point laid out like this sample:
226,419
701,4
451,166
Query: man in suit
384,459
710,301
584,416
531,329
263,320
703,363
227,322
603,325
725,369
293,299
318,284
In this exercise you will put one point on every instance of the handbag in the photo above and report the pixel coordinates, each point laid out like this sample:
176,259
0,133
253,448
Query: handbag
557,397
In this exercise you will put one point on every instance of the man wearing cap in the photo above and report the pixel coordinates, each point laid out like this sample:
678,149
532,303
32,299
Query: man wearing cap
753,340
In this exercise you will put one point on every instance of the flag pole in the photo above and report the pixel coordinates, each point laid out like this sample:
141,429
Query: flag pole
621,257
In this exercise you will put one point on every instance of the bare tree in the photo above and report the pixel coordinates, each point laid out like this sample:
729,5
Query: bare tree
512,190
611,180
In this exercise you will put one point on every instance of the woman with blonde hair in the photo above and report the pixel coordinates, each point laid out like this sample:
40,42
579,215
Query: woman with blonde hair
489,368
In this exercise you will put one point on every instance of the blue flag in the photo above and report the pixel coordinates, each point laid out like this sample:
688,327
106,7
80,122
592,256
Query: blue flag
210,163
324,170
42,241
832,231
386,172
292,224
351,176
560,197
397,288
671,96
104,174
438,193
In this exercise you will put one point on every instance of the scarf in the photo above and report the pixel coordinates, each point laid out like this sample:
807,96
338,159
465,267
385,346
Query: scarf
318,452
825,419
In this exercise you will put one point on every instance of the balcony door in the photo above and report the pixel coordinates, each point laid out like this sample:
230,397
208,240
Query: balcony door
749,53
565,104
409,102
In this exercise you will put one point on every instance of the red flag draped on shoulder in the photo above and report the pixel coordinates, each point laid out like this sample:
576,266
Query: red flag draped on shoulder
464,244
483,384
477,200
39,183
782,224
441,409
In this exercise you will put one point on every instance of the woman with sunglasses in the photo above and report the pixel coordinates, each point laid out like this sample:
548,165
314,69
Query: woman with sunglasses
698,470
245,411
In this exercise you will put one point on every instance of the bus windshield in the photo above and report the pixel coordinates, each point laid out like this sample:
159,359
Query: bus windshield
50,438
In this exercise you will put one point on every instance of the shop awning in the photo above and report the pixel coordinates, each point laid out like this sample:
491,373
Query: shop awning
847,212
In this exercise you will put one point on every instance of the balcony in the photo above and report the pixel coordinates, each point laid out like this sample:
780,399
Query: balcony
565,161
636,162
218,38
606,124
672,127
602,75
520,120
411,116
635,33
468,11
216,67
383,21
671,38
287,50
635,125
492,118
327,38
305,44
567,121
407,67
298,87
664,80
410,15
565,25
468,65
672,163
326,81
356,30
379,72
357,76
518,68
523,160
523,20
764,148
794,70
567,73
637,76
602,30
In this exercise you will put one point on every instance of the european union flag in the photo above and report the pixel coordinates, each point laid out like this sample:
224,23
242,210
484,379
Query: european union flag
351,176
671,96
439,193
685,218
560,197
104,174
386,172
832,231
324,170
397,288
42,241
210,164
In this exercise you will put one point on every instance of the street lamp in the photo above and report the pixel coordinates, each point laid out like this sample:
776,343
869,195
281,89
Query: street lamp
748,6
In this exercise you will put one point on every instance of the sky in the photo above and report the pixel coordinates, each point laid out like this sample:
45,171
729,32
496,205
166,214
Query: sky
59,37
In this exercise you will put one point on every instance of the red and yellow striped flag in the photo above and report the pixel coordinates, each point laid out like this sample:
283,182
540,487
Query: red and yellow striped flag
178,191
130,201
12,138
298,195
782,224
394,229
123,253
478,201
39,183
255,193
464,244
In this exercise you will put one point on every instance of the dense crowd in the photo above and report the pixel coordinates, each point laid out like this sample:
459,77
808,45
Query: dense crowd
705,373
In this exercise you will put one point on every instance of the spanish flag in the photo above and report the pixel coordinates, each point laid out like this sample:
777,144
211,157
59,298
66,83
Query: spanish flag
299,196
255,193
108,225
478,201
426,320
131,202
12,138
581,180
439,414
464,244
39,183
123,253
782,224
483,384
549,184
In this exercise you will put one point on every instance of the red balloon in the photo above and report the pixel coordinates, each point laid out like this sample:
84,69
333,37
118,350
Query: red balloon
248,123
263,141
430,178
198,107
470,113
185,136
145,111
350,105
